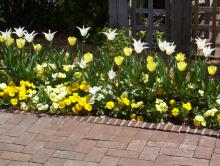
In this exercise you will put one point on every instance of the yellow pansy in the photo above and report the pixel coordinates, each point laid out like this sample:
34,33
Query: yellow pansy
199,120
212,70
120,101
20,43
67,102
37,47
84,87
77,74
187,106
72,40
150,59
175,112
151,66
218,118
180,57
9,41
126,101
75,110
79,107
181,66
140,118
127,51
62,104
133,117
88,107
110,105
172,102
88,57
14,102
75,86
119,60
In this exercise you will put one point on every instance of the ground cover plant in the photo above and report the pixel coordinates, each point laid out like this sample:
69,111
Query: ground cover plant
122,79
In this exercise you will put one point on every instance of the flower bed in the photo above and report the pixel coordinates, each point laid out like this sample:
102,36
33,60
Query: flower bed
121,80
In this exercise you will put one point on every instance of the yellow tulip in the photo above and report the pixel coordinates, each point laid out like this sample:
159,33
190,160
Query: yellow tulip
20,43
212,70
180,57
37,47
181,66
88,57
9,41
127,51
151,66
72,40
150,59
119,60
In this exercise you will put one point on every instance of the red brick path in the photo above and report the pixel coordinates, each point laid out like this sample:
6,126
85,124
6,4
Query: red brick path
26,140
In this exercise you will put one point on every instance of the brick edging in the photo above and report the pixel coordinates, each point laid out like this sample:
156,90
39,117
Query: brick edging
135,124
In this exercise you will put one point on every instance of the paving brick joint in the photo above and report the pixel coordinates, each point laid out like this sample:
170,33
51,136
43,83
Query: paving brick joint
29,140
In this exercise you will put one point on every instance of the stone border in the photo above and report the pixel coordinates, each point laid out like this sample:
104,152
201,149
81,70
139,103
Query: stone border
129,123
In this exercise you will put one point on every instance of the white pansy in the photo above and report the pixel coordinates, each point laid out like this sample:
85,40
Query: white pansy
201,43
42,107
207,51
170,48
29,37
163,45
218,101
111,74
201,92
211,112
23,106
49,36
6,34
94,90
19,31
3,86
139,46
84,31
110,34
82,64
35,99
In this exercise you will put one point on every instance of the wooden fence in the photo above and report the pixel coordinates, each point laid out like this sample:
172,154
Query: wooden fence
181,19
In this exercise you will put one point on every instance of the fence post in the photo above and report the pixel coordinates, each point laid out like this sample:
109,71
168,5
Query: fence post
118,13
181,22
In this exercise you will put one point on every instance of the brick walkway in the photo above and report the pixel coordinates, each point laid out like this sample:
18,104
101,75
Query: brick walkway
26,140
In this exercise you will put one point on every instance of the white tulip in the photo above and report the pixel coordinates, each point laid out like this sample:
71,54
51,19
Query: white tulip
110,34
201,43
6,34
19,31
49,36
139,46
207,50
29,37
170,49
163,45
84,31
111,74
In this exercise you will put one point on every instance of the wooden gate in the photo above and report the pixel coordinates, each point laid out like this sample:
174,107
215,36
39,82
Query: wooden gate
205,20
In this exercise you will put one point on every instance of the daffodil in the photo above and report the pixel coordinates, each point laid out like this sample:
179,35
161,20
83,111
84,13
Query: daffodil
110,34
84,31
29,37
139,46
20,43
119,60
72,40
127,51
49,36
212,70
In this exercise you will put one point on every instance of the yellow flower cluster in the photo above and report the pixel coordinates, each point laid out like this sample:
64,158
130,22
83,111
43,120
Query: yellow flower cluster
18,93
